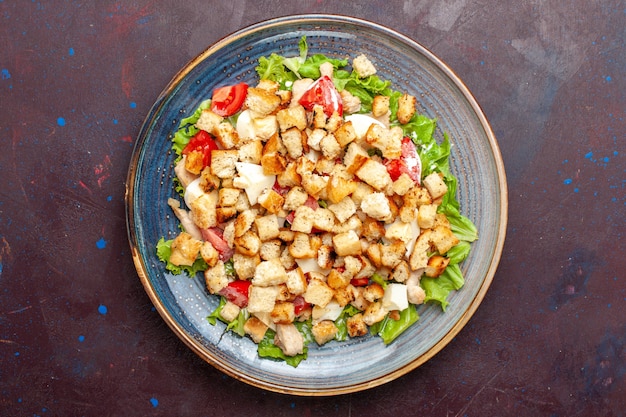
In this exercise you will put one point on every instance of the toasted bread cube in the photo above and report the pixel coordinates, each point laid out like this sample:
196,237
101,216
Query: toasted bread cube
267,227
255,328
363,66
356,326
353,223
223,214
376,205
185,249
293,141
319,117
419,257
314,184
318,293
324,331
205,210
271,201
262,299
375,174
343,209
245,265
347,243
330,147
215,278
325,257
295,197
194,162
244,222
261,101
374,313
315,137
269,273
336,279
426,216
289,177
323,219
401,272
435,185
226,135
283,312
270,249
296,281
209,121
436,265
399,230
333,122
345,134
251,152
406,108
303,219
352,266
248,244
355,157
273,163
227,197
229,311
209,253
301,247
393,254
290,117
373,292
380,106
223,162
403,184
339,188
443,239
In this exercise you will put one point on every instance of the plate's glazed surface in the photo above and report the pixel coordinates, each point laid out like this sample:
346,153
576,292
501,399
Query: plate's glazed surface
360,363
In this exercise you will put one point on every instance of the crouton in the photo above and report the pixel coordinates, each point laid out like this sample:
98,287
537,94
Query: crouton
363,66
303,219
406,108
339,188
261,101
343,209
262,299
248,244
295,197
347,243
204,210
273,163
344,296
419,257
375,174
293,141
289,177
374,313
402,184
229,311
255,328
318,293
314,184
209,121
392,255
269,273
251,152
336,279
323,219
296,282
223,162
380,106
426,216
301,247
376,205
283,312
401,231
245,265
271,201
267,227
436,265
270,249
401,272
325,257
265,127
290,117
244,222
443,239
226,135
209,253
215,278
324,331
373,292
227,197
356,326
333,122
194,162
435,185
330,147
185,249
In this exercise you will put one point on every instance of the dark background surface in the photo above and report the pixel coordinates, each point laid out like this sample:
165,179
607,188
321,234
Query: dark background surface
78,334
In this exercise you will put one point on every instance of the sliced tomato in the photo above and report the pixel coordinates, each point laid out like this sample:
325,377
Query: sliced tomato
359,282
236,292
409,162
324,93
202,142
215,236
300,304
228,100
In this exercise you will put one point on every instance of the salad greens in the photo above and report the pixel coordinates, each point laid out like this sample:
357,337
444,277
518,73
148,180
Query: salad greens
434,158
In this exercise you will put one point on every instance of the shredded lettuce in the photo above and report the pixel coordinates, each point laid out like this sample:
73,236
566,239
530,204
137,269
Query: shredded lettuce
389,329
438,289
342,322
187,129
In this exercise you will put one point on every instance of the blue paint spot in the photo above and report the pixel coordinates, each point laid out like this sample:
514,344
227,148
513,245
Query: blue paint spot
154,402
115,121
101,244
81,338
608,78
292,405
5,74
133,104
567,181
576,189
109,198
17,354
61,121
19,400
605,159
589,155
70,52
102,309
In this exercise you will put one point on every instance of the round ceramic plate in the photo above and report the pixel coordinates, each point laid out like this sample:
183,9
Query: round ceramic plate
360,363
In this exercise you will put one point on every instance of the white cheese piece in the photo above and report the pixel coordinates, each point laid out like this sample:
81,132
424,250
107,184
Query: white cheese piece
395,297
245,127
193,191
330,312
310,265
362,122
253,180
415,232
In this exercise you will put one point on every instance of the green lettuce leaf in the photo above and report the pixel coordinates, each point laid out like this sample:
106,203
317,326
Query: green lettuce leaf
389,329
438,289
341,322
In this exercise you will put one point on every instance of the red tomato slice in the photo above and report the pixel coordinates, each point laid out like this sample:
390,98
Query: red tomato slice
299,305
204,143
227,100
409,162
359,282
236,292
324,93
